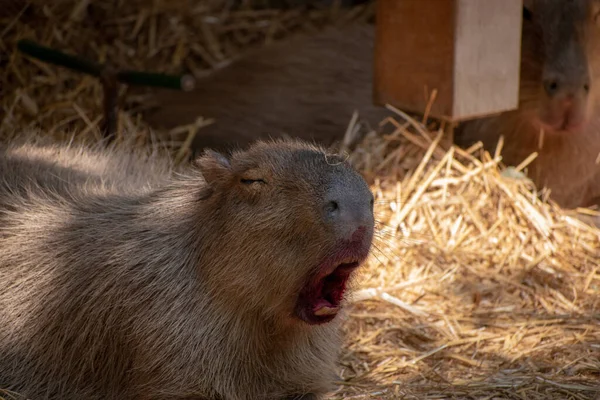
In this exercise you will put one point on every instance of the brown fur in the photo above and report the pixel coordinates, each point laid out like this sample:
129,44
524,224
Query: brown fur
122,279
306,87
562,40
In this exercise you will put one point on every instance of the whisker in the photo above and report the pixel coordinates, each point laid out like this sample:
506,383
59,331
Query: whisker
389,251
381,253
399,243
391,231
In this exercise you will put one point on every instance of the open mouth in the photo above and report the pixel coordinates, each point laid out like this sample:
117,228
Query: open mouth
320,299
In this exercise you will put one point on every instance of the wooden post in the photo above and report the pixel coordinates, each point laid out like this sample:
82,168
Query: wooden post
467,50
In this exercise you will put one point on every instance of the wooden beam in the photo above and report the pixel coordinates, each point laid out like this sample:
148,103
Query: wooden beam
467,50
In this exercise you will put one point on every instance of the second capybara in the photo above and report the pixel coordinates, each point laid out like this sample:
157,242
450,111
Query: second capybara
559,112
123,278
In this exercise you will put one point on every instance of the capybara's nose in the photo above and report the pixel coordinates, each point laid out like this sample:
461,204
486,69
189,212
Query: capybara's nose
351,216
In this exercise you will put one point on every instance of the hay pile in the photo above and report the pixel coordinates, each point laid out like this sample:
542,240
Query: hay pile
476,290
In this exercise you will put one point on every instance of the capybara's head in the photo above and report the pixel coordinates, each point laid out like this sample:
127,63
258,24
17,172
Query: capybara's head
561,60
293,224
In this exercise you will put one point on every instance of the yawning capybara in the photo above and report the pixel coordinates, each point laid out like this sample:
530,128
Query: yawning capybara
123,278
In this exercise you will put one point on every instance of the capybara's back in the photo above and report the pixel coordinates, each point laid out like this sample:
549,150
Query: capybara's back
123,279
306,87
43,190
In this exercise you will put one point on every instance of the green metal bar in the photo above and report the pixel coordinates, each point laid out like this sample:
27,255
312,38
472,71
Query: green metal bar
79,64
156,80
58,58
110,79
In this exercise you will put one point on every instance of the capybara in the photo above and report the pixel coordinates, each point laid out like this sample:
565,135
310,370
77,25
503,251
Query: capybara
124,278
558,115
307,86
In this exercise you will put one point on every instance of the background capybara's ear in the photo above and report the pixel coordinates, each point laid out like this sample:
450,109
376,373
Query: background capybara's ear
215,167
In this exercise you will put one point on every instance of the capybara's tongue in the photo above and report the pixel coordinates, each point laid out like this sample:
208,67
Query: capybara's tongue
323,307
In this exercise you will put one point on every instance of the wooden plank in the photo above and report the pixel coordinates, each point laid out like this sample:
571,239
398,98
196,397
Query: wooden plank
468,50
487,57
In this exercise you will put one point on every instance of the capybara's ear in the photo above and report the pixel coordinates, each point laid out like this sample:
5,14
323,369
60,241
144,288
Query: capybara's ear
215,167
